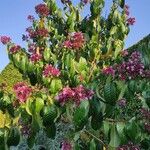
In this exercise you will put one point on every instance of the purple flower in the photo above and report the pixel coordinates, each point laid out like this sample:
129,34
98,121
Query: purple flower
5,39
25,37
131,21
85,1
108,71
31,18
66,145
122,102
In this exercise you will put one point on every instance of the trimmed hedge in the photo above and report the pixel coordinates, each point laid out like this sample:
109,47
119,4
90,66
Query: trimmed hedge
10,75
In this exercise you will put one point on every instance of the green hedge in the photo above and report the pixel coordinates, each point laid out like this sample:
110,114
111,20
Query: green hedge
10,75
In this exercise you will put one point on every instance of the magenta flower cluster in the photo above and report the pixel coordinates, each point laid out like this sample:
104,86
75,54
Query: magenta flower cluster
146,117
132,68
76,94
22,91
66,145
130,20
76,41
108,71
129,146
14,49
42,10
128,69
49,71
35,57
41,32
5,39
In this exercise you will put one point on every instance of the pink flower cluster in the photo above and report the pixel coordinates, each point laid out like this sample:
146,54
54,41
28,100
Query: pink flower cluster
5,39
14,49
132,68
42,10
76,94
66,145
129,146
108,71
42,32
122,102
76,41
147,127
35,57
130,20
127,10
22,91
145,113
49,70
32,48
129,69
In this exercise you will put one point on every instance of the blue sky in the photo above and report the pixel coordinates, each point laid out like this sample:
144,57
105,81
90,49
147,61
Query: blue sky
13,21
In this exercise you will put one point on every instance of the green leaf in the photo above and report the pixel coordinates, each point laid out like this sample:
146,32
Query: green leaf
55,85
92,145
31,141
122,3
114,137
96,121
50,131
39,104
13,137
81,115
120,128
132,131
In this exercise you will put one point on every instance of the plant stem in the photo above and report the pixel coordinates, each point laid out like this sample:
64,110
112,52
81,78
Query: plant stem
95,137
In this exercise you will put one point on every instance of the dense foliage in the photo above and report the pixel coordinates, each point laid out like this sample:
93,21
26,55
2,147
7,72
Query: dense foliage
79,74
10,76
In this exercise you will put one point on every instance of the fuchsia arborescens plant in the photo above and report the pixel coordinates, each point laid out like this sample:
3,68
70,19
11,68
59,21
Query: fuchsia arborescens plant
77,71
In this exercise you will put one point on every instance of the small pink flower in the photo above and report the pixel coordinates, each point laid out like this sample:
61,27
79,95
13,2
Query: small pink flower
108,71
67,44
49,70
32,48
42,32
14,49
42,10
5,39
35,57
127,10
76,94
76,41
124,53
65,95
66,145
130,21
22,91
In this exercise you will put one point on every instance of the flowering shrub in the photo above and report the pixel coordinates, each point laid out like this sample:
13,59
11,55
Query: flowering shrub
78,73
